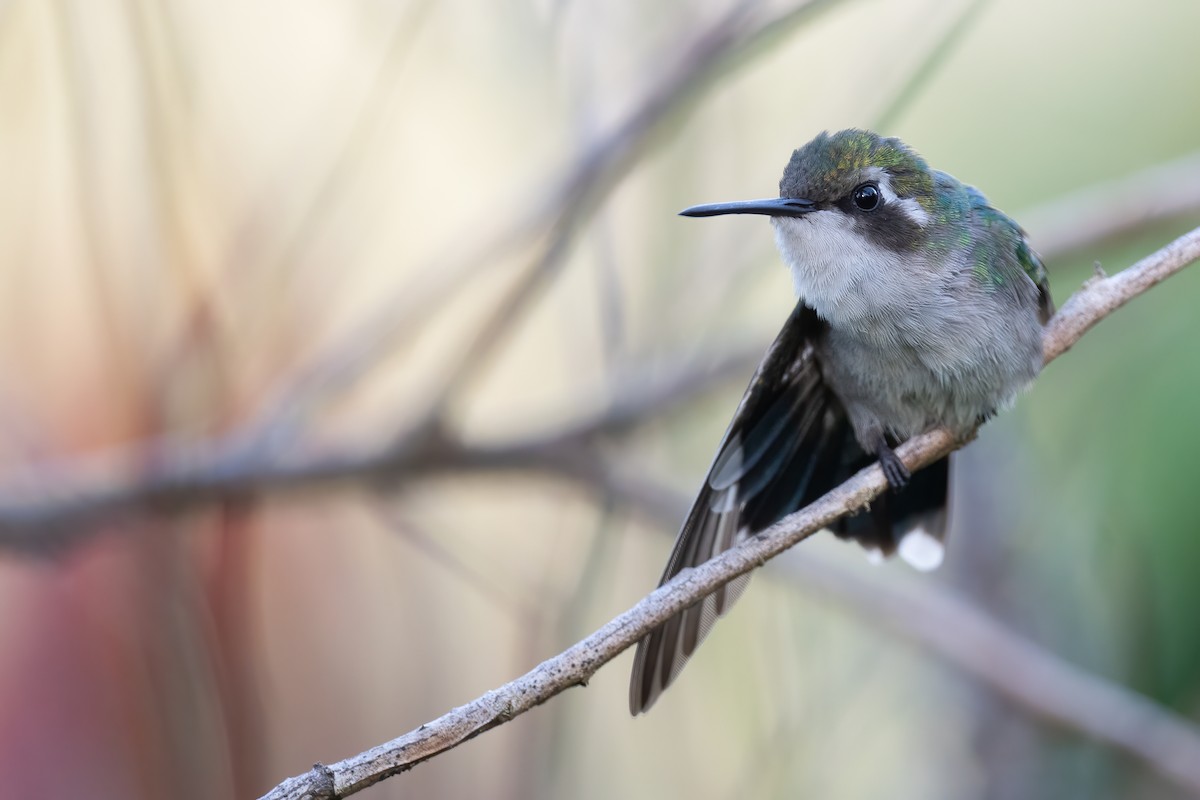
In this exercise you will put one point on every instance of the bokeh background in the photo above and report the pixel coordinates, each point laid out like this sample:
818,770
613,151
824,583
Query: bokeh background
377,324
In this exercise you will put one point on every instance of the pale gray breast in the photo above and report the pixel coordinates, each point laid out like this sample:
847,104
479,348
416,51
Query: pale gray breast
959,353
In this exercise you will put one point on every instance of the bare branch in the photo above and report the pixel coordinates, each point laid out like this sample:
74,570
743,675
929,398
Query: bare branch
183,476
1102,296
585,184
1027,675
1034,679
243,464
1108,211
577,664
605,166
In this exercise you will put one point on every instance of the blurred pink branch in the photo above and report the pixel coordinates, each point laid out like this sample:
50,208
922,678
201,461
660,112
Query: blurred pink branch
1168,745
248,462
187,476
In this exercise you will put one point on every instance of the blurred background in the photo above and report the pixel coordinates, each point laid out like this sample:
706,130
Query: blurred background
354,361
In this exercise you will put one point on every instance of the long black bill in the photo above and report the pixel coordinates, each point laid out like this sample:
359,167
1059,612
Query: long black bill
771,207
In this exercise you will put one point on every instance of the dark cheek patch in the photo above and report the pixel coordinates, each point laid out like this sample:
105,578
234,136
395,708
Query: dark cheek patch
886,226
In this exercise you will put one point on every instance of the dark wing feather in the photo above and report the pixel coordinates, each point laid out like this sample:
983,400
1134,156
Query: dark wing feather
778,455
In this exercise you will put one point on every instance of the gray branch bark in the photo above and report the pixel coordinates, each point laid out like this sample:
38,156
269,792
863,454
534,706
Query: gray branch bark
1169,746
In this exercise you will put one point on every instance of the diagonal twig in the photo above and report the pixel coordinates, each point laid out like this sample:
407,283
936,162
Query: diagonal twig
1034,679
927,67
1029,676
557,215
735,31
1176,756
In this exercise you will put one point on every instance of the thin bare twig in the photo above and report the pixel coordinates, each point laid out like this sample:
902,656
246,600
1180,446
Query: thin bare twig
576,665
1102,296
1176,755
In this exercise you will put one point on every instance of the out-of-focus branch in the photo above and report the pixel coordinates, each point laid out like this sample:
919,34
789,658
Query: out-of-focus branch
1109,211
939,49
607,164
1176,756
1036,680
185,476
1029,676
576,665
738,33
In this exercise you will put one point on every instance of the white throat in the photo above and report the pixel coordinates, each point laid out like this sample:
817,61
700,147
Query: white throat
838,271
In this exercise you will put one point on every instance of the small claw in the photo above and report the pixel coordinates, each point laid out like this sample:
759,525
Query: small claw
893,469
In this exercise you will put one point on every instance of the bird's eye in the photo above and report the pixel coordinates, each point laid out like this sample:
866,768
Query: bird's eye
867,197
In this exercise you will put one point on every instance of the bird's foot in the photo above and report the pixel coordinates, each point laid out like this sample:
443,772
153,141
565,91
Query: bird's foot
893,468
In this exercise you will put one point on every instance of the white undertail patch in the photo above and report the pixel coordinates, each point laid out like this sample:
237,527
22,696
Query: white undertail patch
922,550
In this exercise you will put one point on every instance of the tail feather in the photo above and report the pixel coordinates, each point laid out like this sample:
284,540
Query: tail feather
911,522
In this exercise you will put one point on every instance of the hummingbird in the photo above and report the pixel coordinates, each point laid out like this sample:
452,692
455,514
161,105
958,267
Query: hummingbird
919,305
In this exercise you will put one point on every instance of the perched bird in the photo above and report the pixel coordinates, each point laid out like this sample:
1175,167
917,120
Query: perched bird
920,305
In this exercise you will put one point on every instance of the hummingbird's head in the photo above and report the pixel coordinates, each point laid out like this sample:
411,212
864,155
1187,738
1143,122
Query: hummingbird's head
879,185
853,207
